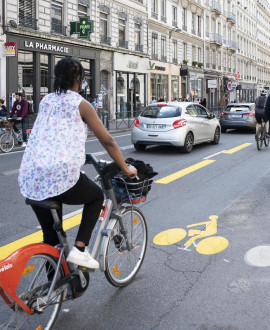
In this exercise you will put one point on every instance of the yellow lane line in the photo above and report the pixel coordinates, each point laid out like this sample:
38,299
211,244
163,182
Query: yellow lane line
185,171
233,150
36,237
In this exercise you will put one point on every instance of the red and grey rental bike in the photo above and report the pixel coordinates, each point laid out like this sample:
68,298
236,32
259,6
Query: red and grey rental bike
36,279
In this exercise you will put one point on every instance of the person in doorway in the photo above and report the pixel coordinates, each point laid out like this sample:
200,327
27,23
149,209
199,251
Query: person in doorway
20,110
3,110
161,99
94,104
153,100
260,113
203,103
51,164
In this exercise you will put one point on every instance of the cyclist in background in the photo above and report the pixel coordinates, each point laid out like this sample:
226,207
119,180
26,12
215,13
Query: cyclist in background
260,114
20,109
55,153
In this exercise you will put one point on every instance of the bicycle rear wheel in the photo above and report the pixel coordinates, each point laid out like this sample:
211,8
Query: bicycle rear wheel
259,139
33,284
123,265
266,140
6,142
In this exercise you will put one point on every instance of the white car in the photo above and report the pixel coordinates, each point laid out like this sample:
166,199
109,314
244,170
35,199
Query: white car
179,124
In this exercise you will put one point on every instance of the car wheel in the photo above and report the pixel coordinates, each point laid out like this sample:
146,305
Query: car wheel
139,147
216,136
223,130
188,143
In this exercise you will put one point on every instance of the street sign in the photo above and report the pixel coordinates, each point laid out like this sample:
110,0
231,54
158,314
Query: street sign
83,28
237,76
212,83
229,85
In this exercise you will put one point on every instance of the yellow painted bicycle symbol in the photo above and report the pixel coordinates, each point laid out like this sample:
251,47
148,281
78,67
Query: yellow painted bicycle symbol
209,245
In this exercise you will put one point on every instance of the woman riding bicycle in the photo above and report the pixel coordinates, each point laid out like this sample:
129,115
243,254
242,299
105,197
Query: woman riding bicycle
55,152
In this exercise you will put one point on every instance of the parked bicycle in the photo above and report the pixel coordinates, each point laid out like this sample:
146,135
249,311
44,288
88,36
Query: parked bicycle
261,137
36,279
9,136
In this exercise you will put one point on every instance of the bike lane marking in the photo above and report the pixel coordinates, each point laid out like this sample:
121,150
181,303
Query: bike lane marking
71,220
185,171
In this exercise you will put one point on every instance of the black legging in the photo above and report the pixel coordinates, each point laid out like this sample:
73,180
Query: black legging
84,192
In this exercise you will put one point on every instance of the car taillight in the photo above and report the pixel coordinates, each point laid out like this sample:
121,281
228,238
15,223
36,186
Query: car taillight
249,113
137,122
179,123
224,113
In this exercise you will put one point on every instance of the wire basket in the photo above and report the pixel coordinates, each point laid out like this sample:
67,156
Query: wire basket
131,192
5,124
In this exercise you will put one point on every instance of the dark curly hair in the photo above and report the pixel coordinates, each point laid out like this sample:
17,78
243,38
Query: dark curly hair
65,71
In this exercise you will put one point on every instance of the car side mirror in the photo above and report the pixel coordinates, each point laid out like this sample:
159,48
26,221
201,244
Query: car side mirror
211,116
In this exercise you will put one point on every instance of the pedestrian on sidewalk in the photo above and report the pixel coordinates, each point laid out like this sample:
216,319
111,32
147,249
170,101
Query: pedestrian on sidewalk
20,110
52,161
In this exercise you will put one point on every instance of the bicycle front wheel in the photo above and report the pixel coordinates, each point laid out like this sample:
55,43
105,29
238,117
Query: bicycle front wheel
259,139
122,264
34,284
6,142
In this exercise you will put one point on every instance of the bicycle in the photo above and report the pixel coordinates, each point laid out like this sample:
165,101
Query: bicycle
36,279
7,139
261,137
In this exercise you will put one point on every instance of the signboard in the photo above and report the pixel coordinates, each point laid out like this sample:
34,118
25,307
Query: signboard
10,49
83,28
45,46
237,76
183,71
234,84
212,83
229,85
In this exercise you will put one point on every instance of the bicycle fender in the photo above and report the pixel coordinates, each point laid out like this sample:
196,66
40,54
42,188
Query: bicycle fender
104,244
12,268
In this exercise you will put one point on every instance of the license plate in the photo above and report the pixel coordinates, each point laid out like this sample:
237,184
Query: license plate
155,126
236,116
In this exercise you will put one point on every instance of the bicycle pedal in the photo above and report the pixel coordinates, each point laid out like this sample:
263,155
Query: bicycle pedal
86,269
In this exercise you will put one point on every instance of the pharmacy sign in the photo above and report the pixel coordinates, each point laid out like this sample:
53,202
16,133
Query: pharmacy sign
83,28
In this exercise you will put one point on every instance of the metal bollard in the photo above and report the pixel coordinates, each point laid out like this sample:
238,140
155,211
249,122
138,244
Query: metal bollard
105,118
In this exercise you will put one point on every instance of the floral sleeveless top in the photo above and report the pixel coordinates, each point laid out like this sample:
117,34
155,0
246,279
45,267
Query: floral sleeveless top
56,148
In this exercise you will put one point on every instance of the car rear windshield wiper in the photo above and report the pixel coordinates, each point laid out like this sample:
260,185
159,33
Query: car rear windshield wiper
149,116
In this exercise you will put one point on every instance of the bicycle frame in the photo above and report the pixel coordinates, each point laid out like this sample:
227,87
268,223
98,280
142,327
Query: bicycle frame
13,267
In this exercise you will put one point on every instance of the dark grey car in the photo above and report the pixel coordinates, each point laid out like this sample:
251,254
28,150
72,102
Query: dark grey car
238,116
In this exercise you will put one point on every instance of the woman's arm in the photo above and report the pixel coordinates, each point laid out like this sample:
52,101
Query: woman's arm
90,117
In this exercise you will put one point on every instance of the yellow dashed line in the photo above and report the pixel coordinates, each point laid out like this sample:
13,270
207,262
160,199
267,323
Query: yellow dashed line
190,169
233,150
37,237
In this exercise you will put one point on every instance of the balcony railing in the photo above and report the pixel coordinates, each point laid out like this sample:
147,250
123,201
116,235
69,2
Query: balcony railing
174,60
174,23
219,67
141,1
163,58
184,28
231,17
207,34
139,48
105,40
199,34
123,44
193,31
163,19
232,45
154,15
57,28
28,22
224,41
207,65
213,66
216,38
154,57
216,7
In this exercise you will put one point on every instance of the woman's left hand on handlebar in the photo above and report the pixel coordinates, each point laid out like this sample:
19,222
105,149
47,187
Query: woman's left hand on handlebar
131,171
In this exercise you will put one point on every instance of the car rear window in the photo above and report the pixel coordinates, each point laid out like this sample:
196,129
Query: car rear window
156,111
235,107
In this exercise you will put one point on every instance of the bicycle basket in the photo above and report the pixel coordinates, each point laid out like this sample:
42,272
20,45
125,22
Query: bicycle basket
6,124
131,192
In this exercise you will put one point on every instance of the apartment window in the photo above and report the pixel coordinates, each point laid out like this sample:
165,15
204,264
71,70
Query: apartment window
122,30
163,8
137,34
154,6
82,10
193,23
57,17
163,46
199,25
174,50
207,57
174,15
193,53
199,54
103,29
154,43
184,51
184,18
27,13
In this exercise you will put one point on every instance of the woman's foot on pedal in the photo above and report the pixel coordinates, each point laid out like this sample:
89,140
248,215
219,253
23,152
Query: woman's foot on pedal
83,259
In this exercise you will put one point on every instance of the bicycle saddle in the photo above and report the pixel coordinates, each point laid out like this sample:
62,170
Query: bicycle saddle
49,203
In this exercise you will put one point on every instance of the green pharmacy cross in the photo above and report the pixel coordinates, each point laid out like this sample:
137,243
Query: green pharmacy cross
84,27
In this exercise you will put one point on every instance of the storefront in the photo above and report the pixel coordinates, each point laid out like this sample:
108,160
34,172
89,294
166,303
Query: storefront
163,81
195,85
31,71
2,67
245,92
130,85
